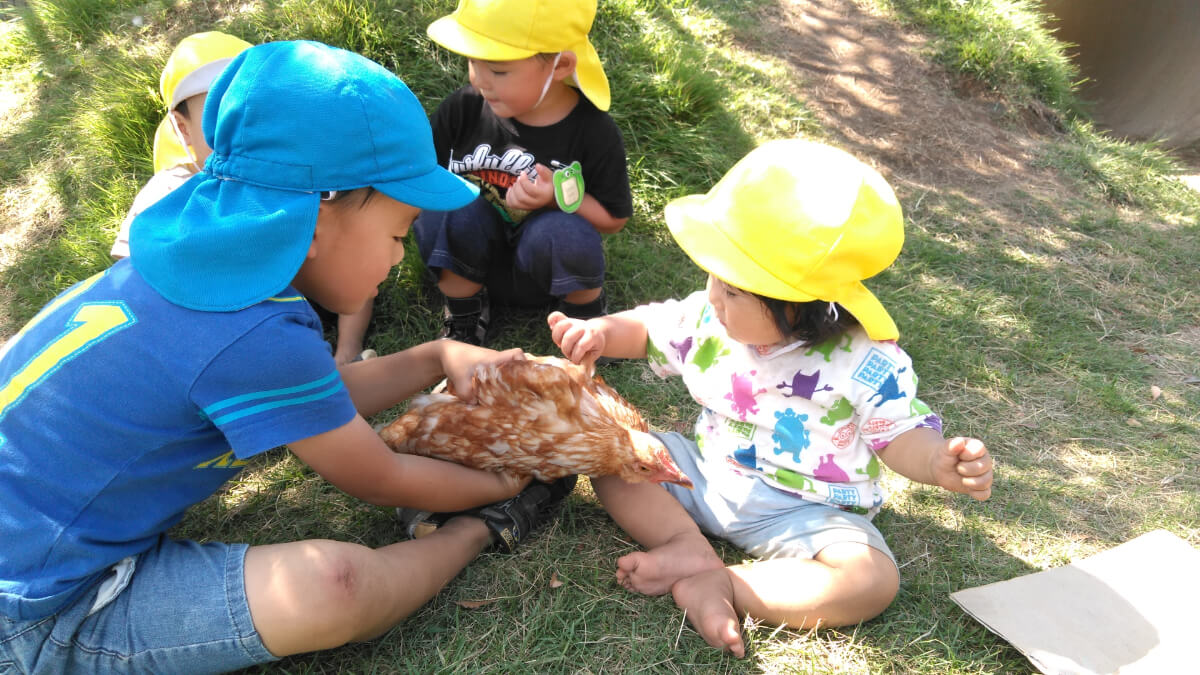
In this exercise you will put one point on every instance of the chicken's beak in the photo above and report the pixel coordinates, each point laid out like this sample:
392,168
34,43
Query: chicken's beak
668,472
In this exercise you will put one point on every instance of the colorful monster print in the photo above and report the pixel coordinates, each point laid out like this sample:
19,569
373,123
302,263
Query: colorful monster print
889,390
654,356
740,429
796,481
790,434
746,457
682,348
829,471
743,394
842,437
933,422
803,385
872,471
826,348
917,407
842,410
708,352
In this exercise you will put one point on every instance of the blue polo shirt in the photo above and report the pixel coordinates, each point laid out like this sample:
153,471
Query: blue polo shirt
119,410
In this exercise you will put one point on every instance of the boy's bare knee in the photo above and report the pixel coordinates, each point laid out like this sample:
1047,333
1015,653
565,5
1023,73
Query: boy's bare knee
306,589
338,576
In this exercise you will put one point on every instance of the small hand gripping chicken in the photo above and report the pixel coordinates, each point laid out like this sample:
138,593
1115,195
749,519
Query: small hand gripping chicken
542,416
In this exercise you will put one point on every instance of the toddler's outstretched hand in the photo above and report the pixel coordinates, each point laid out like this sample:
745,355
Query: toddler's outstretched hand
964,465
580,341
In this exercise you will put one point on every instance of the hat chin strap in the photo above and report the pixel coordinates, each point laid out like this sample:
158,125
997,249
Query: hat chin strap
187,147
549,79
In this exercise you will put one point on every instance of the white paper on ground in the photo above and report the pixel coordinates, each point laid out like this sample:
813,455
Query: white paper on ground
1131,609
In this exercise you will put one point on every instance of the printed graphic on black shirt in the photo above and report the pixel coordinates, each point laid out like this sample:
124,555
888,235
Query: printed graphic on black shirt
494,174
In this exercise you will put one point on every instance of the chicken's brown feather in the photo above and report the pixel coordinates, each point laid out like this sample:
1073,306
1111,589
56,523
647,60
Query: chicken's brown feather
540,416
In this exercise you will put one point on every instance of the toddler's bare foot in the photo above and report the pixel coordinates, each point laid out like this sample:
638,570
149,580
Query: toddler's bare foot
653,572
708,599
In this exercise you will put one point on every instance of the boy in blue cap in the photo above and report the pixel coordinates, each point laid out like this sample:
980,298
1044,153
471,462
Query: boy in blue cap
321,160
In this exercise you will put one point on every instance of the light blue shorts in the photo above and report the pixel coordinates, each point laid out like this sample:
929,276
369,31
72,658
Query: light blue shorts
178,608
761,520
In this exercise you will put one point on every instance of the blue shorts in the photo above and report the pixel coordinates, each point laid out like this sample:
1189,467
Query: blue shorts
759,519
178,608
549,255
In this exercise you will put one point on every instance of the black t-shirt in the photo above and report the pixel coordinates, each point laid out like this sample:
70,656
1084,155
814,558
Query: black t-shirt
492,152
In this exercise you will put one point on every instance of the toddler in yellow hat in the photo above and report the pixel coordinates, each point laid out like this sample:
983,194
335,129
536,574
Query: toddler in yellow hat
532,131
804,392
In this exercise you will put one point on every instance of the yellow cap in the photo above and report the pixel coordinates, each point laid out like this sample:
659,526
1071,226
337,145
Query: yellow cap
190,70
510,30
797,221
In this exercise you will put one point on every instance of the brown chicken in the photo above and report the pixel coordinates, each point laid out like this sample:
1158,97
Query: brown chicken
542,416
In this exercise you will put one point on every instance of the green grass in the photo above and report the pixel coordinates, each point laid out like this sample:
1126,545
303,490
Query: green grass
1039,321
1004,43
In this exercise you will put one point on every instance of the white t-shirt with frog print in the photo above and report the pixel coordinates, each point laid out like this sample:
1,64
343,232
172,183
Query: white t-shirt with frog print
806,420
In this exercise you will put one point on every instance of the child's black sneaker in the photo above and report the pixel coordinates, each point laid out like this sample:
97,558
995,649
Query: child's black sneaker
467,319
510,521
587,310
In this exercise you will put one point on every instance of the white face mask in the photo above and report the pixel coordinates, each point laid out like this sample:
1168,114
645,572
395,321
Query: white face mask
549,79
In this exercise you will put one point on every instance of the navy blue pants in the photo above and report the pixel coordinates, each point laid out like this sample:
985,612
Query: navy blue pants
549,255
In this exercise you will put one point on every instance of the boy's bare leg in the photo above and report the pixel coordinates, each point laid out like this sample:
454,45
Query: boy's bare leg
677,548
845,584
318,594
351,330
454,286
583,297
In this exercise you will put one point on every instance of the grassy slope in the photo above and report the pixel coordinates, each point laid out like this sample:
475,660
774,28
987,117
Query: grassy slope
1043,340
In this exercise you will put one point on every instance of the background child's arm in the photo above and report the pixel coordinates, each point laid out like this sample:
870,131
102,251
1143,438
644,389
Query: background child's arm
529,194
958,464
353,458
621,335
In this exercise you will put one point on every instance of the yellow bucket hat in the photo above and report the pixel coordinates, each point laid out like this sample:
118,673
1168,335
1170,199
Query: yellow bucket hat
797,221
190,70
510,30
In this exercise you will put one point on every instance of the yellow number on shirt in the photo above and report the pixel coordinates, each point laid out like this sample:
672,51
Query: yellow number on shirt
91,323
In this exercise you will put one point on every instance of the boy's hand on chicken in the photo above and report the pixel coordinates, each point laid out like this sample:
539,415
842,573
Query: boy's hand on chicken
964,465
460,361
539,416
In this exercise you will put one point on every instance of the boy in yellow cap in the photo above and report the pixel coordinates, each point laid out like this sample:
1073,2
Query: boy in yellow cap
804,392
180,151
531,130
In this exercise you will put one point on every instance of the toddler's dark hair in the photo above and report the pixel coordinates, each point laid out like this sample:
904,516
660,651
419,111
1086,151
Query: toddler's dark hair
810,322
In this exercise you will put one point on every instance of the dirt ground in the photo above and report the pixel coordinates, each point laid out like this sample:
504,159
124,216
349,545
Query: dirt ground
868,83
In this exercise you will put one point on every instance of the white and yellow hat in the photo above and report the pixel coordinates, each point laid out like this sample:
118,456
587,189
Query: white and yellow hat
190,70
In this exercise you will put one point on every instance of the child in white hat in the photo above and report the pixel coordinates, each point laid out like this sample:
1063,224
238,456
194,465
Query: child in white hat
180,151
804,392
179,146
